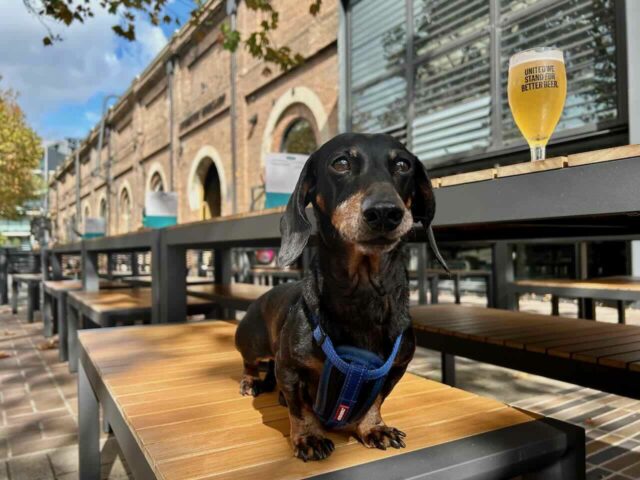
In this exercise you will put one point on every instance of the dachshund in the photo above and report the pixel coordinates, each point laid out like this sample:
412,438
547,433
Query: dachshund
366,191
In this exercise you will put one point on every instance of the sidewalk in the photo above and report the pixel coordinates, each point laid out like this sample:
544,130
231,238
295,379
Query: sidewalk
38,405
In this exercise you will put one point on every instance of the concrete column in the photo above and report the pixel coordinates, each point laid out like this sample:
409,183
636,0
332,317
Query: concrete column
632,9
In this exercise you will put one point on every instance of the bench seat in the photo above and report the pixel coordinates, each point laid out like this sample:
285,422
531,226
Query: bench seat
236,296
599,355
170,395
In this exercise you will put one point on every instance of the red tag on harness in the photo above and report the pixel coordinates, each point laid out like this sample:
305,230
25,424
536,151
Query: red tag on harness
341,412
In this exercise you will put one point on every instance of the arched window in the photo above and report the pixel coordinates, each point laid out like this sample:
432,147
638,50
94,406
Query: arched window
125,211
299,137
156,184
87,213
103,208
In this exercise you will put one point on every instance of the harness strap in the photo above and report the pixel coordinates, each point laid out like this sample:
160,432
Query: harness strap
326,344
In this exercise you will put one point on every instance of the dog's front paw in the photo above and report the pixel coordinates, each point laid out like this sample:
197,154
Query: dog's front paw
312,447
247,386
382,437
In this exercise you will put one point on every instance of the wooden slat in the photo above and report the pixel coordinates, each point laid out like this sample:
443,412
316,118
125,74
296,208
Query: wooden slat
471,177
122,299
582,340
630,284
605,155
192,423
240,291
532,167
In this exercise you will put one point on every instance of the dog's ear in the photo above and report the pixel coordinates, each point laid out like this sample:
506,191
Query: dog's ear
295,227
423,207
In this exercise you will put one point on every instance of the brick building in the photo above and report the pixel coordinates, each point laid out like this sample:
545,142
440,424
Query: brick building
171,129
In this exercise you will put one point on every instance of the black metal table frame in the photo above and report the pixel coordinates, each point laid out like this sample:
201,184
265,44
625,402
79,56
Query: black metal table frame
542,449
620,296
600,377
33,295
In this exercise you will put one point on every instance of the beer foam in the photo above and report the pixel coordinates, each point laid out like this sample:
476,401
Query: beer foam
535,55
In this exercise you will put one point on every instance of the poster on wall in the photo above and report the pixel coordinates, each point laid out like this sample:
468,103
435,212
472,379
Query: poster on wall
160,209
281,175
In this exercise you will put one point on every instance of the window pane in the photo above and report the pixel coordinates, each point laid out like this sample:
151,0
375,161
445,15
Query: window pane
585,30
378,37
453,102
381,107
299,138
438,23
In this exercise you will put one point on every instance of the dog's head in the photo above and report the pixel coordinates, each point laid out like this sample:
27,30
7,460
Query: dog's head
366,190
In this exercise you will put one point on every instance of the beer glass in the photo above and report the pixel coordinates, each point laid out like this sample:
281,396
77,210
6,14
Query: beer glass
537,90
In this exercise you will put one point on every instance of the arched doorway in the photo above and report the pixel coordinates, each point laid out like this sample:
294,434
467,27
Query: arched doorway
211,196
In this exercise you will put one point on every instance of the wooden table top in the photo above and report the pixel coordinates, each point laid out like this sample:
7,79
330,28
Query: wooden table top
626,283
524,168
240,291
613,345
122,299
146,279
176,387
68,285
27,277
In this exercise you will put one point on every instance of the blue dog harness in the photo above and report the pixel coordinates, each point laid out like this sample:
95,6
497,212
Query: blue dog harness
351,379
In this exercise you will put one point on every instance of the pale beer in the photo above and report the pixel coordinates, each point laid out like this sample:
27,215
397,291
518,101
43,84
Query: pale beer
537,91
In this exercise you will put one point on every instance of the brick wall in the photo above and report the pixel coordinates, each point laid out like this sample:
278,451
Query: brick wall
138,139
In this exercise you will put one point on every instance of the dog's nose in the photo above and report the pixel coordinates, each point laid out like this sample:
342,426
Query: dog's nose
383,216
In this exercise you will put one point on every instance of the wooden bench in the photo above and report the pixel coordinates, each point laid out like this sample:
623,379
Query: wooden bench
106,308
619,289
599,355
233,296
170,395
55,307
32,281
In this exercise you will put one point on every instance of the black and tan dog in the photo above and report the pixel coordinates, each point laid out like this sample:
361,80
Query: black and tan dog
366,192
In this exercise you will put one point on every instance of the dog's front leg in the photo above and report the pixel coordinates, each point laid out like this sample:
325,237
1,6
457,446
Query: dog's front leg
373,433
307,435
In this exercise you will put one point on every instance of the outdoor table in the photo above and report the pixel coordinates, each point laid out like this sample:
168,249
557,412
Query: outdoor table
434,275
106,308
170,395
15,261
55,308
32,280
52,268
619,289
234,296
579,197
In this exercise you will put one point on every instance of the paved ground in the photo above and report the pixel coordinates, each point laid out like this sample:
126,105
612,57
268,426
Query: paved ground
38,405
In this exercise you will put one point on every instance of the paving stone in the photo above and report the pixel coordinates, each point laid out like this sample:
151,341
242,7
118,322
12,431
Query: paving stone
623,461
4,471
59,426
64,460
68,476
32,467
43,444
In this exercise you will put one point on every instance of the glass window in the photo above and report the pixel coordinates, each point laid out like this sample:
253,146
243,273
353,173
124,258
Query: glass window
299,137
125,211
156,184
453,93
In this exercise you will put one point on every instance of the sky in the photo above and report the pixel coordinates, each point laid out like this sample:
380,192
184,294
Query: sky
61,87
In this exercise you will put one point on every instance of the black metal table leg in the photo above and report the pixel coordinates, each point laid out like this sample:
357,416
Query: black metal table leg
63,337
555,305
448,369
89,429
14,297
621,312
73,325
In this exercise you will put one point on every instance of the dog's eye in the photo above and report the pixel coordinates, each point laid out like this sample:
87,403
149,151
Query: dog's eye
401,166
341,165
